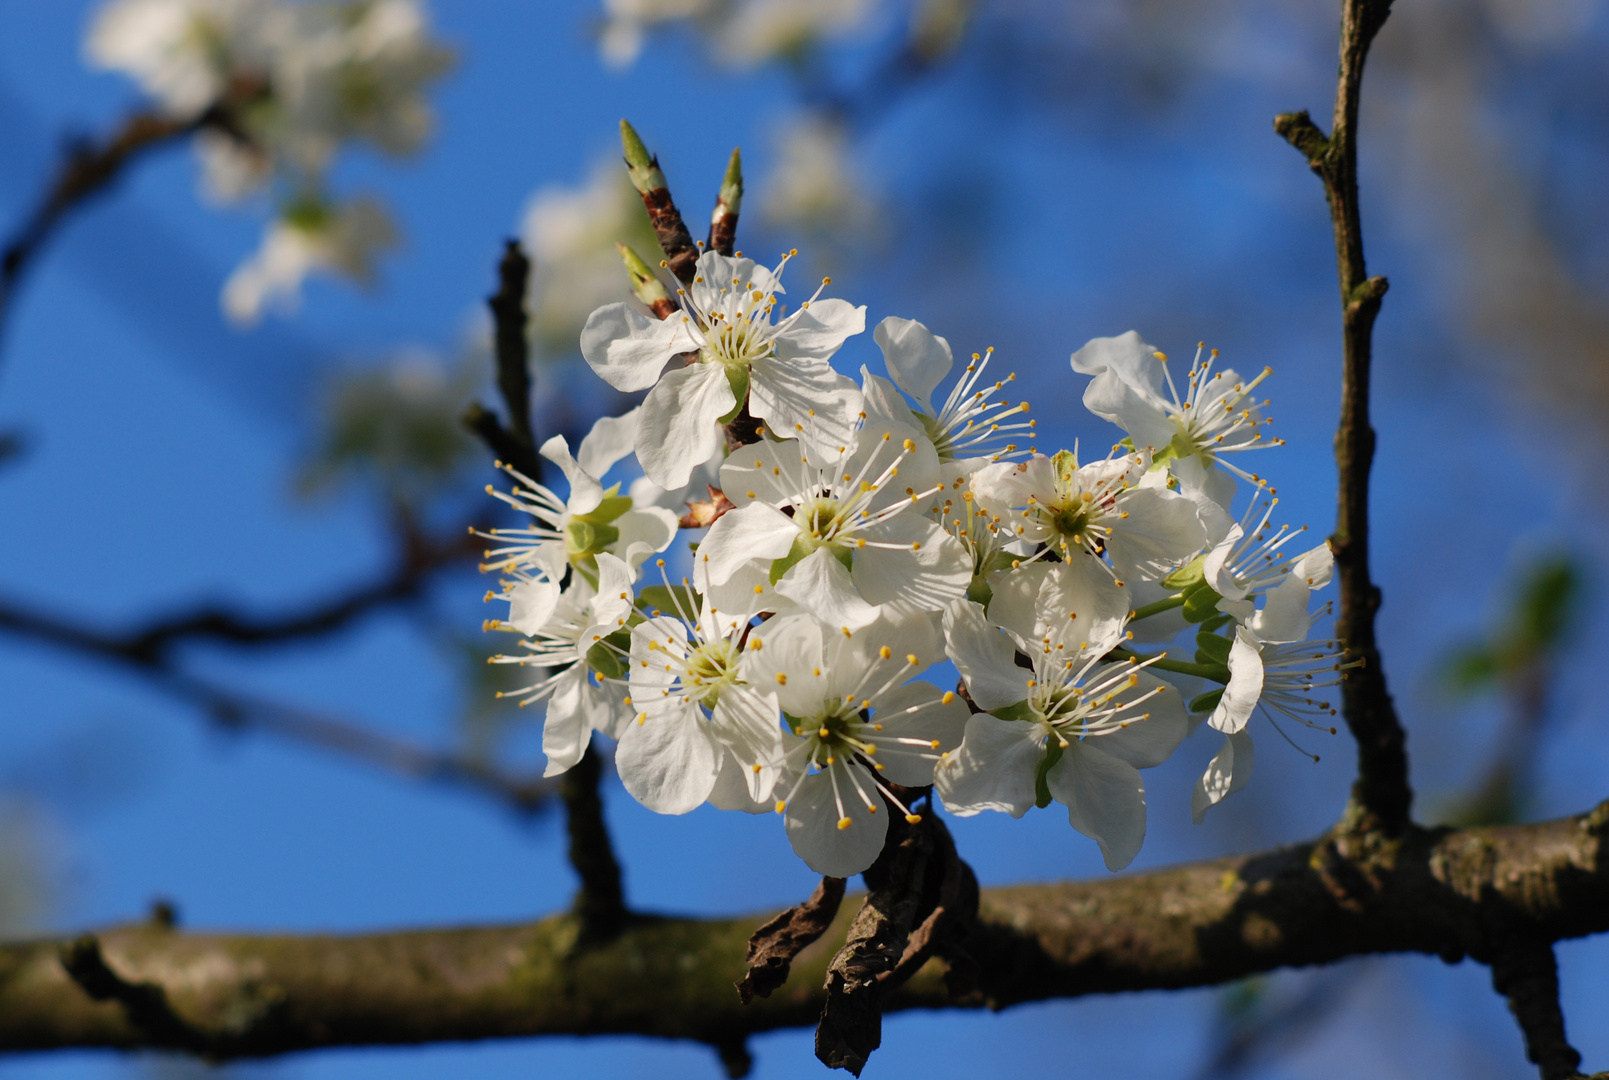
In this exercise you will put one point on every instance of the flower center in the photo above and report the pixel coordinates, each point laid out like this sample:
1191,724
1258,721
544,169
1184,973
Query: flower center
735,343
710,668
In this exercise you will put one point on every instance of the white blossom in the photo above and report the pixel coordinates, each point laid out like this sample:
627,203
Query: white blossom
856,727
593,519
560,629
341,239
970,424
185,53
726,320
838,538
1111,506
697,716
1193,434
1072,728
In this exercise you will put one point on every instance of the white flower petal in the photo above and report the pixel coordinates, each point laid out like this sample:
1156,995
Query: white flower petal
813,818
1147,743
821,585
644,531
792,647
732,789
585,491
1143,416
1105,800
1079,605
916,358
566,732
804,398
629,349
1226,774
994,769
670,760
611,438
910,579
679,426
1245,684
1162,530
821,329
531,602
1127,356
916,711
757,532
983,656
747,722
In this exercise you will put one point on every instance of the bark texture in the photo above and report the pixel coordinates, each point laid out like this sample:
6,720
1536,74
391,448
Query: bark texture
1452,893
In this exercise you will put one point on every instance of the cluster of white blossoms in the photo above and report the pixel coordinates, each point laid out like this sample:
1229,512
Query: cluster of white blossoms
865,534
289,83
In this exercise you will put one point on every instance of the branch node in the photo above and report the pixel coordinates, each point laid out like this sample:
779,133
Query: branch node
144,1004
736,1060
1298,129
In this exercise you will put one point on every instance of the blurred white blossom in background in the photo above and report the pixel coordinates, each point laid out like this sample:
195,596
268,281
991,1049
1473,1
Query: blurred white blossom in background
278,88
337,239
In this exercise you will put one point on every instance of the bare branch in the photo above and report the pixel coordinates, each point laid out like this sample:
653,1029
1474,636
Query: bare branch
92,167
1452,893
1382,789
1527,973
681,254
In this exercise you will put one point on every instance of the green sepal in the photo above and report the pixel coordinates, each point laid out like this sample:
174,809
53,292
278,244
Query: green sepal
1201,604
665,598
1212,648
1053,753
1213,624
738,379
584,537
980,592
1019,711
612,507
1206,702
1187,576
796,554
795,723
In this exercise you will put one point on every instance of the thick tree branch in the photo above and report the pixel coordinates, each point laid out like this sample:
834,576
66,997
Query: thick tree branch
1382,789
1443,892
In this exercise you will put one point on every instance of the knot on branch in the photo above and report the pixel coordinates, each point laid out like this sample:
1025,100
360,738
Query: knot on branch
1298,129
145,1004
923,901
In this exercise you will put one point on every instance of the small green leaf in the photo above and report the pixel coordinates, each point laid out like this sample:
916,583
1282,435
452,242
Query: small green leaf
1206,702
1212,648
666,598
1201,604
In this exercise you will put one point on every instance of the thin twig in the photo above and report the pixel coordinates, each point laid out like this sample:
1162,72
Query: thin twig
1382,792
599,903
241,712
1527,974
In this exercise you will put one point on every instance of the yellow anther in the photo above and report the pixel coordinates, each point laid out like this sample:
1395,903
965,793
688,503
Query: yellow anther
844,823
782,679
949,696
885,652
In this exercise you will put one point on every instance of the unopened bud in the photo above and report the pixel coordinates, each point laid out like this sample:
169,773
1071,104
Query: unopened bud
643,166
